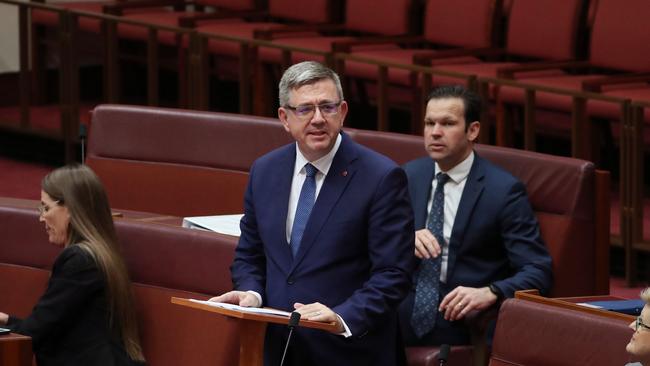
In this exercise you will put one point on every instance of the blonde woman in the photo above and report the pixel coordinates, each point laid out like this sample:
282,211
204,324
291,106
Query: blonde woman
86,316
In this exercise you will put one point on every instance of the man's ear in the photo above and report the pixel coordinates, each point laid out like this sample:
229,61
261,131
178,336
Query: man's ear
473,131
282,116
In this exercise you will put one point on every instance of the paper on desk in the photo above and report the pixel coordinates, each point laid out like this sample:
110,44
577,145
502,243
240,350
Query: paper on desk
223,224
588,305
243,309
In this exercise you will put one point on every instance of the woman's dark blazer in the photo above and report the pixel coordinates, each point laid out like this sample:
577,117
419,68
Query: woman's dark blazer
69,325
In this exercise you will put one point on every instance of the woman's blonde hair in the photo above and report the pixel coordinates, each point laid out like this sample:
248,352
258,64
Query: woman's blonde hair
91,228
645,295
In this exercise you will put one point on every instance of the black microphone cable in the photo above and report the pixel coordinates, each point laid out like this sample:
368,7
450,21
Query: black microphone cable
293,322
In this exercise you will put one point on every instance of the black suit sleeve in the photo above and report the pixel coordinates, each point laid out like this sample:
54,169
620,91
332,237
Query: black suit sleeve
75,278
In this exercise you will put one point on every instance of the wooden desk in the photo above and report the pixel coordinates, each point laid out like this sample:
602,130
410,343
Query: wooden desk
15,350
253,329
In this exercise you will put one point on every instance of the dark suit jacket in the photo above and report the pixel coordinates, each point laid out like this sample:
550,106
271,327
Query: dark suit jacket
69,324
356,255
495,237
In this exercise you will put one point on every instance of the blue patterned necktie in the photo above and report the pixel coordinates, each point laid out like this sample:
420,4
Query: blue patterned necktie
425,306
305,204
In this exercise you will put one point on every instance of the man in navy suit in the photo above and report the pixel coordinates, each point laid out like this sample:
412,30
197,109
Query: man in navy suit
327,231
486,244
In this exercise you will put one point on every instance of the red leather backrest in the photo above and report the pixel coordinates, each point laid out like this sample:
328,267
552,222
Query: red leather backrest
460,23
177,258
545,29
230,4
620,35
561,191
533,334
21,287
313,11
175,162
182,136
389,17
20,225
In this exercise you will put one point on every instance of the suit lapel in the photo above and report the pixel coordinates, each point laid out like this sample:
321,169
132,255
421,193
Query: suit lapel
471,193
280,203
340,174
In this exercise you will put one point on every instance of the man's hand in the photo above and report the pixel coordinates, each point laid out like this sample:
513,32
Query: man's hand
241,298
4,318
320,313
462,300
426,245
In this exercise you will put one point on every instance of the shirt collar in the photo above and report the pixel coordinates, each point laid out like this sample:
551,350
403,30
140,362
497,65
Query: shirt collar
461,170
323,164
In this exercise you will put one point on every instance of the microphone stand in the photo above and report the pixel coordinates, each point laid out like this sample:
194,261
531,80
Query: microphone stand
293,322
443,354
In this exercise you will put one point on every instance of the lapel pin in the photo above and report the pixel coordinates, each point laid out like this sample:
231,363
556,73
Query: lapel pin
345,173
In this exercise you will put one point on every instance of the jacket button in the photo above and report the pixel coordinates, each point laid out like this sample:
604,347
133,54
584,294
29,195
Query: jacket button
290,281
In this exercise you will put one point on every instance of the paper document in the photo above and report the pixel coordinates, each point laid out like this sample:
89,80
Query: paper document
223,224
244,309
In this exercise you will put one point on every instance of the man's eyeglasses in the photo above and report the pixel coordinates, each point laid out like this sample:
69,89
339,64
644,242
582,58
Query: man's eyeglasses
639,323
307,111
43,208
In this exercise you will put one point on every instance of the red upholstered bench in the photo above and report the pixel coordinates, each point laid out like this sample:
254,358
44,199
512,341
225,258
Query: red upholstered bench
191,163
535,334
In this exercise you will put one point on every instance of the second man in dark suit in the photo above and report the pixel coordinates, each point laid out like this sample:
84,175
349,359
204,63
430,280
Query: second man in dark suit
476,234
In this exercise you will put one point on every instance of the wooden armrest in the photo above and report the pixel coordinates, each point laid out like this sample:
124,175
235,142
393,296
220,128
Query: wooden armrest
190,21
119,7
346,45
510,71
273,33
596,85
425,59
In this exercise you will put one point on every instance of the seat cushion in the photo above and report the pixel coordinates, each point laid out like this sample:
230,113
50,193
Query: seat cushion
238,29
164,18
93,25
394,54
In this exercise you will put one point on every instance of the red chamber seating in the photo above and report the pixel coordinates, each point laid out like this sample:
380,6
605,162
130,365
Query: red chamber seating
534,334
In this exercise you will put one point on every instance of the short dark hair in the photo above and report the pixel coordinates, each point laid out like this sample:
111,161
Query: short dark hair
471,100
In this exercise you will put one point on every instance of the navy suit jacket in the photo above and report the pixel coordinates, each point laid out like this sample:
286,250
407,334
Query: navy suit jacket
495,238
356,255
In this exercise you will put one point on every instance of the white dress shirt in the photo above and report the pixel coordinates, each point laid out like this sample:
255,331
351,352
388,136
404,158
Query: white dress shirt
453,193
322,166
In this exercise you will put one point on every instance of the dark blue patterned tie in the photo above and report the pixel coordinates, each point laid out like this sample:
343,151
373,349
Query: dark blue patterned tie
425,306
305,204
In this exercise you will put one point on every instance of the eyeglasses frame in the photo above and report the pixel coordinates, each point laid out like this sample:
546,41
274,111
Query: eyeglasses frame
44,208
639,323
314,107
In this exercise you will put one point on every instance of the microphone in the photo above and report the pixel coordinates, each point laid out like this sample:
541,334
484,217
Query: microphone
293,322
82,141
443,354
